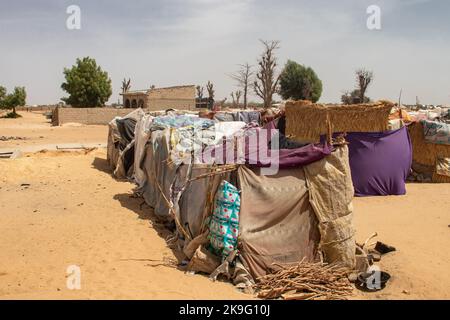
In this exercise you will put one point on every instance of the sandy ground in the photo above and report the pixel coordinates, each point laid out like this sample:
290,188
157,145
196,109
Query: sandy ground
63,209
74,213
418,226
37,130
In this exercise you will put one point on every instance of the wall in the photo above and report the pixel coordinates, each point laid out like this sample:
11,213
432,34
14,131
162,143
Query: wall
181,97
38,108
87,115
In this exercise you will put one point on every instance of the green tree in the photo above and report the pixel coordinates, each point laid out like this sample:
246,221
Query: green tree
298,82
87,84
2,93
11,101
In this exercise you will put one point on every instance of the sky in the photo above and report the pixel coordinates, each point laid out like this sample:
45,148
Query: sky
176,42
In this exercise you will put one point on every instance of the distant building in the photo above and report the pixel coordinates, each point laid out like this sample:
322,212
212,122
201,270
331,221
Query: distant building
178,97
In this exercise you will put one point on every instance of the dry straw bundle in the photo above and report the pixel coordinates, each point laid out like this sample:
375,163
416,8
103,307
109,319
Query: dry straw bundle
306,281
307,122
427,153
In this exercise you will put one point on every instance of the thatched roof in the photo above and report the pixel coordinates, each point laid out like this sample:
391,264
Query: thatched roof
307,122
427,153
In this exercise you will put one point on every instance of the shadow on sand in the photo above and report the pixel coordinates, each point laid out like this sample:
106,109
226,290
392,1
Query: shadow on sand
101,164
145,212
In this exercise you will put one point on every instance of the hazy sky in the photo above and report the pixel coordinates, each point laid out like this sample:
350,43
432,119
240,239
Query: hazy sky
173,42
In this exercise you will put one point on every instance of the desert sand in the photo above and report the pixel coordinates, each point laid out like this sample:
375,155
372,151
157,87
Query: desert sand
59,209
34,131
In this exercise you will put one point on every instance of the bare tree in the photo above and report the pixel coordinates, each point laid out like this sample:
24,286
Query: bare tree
243,77
199,92
236,97
126,85
364,79
233,100
266,81
210,89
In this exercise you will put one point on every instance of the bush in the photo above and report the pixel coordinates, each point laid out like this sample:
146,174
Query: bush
12,100
298,82
87,84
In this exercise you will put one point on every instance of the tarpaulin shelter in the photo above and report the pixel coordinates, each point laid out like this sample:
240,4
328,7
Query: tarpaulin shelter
430,159
303,211
380,159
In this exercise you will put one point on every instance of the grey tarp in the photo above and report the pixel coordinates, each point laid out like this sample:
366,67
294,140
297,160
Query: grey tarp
277,223
193,195
142,136
116,142
159,173
113,152
187,198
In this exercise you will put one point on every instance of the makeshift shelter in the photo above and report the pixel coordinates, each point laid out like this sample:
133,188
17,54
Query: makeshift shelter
303,211
380,162
431,161
120,147
380,159
308,122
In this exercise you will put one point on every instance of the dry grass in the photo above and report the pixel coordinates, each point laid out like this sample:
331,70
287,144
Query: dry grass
427,153
309,121
306,281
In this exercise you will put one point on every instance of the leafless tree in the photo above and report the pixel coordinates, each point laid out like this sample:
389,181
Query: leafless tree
236,97
243,77
364,79
210,89
266,81
126,85
199,92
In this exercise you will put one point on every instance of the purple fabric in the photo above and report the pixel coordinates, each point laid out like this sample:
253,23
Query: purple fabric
257,153
286,158
380,162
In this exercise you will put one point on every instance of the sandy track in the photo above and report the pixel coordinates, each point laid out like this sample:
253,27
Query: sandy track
37,130
73,212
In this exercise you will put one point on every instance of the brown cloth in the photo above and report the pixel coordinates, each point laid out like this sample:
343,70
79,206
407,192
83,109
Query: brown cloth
277,223
287,217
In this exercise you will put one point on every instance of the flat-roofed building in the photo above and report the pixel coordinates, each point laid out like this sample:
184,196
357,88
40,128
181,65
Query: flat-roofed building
177,97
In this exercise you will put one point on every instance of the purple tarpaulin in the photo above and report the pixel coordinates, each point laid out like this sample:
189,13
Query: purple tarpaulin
380,162
261,154
257,152
287,158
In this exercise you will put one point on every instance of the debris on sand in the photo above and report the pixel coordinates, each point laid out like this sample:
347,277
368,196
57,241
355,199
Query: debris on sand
11,154
306,281
8,138
384,248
